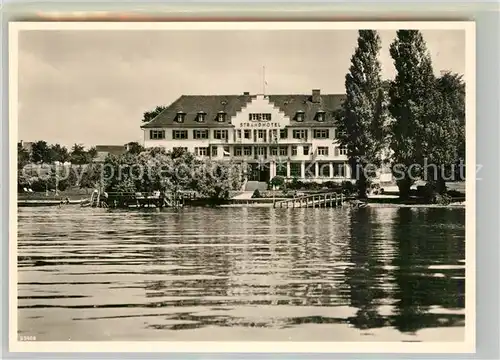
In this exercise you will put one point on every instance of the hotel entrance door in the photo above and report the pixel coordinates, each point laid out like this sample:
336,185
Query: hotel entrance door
259,173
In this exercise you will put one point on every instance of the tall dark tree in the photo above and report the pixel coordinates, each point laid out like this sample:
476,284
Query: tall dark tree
41,152
150,115
452,87
363,117
412,107
78,155
441,136
91,154
23,156
59,153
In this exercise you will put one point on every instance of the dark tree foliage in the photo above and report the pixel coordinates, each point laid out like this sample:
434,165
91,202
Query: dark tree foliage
91,154
362,121
90,175
452,87
429,116
441,136
412,107
41,153
80,156
177,152
23,157
59,153
150,115
134,147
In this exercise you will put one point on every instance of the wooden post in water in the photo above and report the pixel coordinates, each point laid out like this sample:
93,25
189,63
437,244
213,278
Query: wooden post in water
336,199
341,199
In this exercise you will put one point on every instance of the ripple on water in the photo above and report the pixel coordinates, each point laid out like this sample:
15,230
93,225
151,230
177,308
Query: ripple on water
241,273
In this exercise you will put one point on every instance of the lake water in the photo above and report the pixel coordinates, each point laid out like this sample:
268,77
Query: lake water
344,274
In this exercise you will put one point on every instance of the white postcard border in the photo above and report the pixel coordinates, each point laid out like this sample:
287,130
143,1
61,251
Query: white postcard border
467,346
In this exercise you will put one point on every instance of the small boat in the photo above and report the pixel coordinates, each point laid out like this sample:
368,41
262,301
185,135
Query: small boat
359,204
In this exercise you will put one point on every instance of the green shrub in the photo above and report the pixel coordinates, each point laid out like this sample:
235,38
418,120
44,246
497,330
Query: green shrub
442,199
348,187
277,181
294,184
430,195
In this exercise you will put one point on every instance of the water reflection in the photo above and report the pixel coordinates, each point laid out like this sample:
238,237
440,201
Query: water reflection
426,272
97,274
367,277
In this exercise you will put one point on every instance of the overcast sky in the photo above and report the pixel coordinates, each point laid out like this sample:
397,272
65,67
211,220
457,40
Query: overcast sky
92,87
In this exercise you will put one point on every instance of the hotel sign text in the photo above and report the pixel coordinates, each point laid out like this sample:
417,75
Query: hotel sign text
260,124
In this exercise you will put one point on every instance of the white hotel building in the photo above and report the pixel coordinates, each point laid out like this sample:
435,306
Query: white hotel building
288,135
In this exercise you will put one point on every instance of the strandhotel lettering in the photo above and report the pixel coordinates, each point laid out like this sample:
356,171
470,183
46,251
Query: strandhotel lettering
260,125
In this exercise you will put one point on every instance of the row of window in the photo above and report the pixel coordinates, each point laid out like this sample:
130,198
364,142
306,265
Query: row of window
262,151
242,134
320,116
295,168
259,117
201,117
339,170
221,116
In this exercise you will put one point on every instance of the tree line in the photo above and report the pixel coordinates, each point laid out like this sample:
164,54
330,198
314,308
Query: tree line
44,153
82,172
415,123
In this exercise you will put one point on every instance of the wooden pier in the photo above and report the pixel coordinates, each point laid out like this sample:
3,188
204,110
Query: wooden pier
331,199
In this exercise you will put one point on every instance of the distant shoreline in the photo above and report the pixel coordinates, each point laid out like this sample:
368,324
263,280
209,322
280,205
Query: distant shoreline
52,203
395,205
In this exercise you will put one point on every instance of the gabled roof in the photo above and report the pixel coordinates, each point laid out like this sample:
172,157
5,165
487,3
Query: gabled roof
104,150
292,104
191,105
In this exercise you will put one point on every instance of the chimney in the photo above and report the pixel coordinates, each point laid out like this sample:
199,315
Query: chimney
316,98
246,93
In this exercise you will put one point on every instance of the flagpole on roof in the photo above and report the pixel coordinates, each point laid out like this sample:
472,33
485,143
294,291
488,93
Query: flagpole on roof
263,80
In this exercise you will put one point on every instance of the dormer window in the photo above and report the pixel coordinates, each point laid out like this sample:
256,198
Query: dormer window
181,116
320,116
221,116
299,116
201,116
